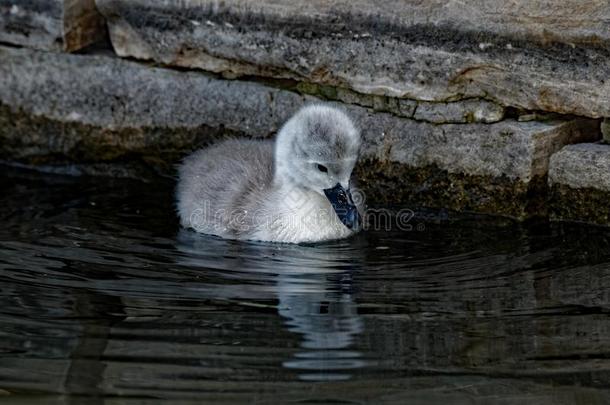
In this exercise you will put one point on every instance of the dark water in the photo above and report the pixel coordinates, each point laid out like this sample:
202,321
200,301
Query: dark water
103,299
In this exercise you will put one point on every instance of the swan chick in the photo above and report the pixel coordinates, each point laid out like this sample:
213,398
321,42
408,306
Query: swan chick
294,189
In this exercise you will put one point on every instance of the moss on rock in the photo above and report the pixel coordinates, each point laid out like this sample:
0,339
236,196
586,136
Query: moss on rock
579,204
389,183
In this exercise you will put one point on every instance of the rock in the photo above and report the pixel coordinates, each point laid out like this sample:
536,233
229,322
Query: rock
65,109
61,108
580,183
473,110
605,129
57,25
459,112
496,168
531,55
586,165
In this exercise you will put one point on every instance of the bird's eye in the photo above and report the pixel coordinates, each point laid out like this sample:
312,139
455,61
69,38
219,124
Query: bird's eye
322,168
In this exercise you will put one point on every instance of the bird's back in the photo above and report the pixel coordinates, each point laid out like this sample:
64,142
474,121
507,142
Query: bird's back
219,183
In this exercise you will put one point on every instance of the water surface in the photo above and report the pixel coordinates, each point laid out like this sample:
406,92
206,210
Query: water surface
103,299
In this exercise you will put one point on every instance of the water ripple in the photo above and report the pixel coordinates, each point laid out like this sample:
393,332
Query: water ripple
103,296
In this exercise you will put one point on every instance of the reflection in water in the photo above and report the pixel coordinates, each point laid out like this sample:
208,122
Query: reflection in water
103,299
328,321
313,287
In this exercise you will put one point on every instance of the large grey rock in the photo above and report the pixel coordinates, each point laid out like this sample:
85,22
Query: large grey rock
579,177
99,109
544,55
64,25
497,168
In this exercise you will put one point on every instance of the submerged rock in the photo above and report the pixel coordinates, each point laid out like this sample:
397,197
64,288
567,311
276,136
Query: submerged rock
57,25
532,55
61,108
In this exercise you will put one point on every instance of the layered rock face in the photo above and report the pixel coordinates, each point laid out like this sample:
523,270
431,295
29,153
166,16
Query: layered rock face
103,109
462,105
547,55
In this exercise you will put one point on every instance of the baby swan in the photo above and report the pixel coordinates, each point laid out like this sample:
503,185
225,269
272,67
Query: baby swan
294,189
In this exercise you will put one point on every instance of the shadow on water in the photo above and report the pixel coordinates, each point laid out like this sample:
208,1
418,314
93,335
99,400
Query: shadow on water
103,299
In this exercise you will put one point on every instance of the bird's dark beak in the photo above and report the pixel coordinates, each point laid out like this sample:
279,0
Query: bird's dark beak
343,204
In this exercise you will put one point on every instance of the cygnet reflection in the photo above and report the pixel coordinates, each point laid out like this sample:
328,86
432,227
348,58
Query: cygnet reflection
328,322
313,285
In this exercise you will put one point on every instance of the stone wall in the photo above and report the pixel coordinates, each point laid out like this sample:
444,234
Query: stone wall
472,106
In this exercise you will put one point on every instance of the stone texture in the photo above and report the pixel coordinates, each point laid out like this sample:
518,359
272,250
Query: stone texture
547,55
516,151
60,108
497,168
605,128
582,166
58,25
465,111
459,112
580,183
